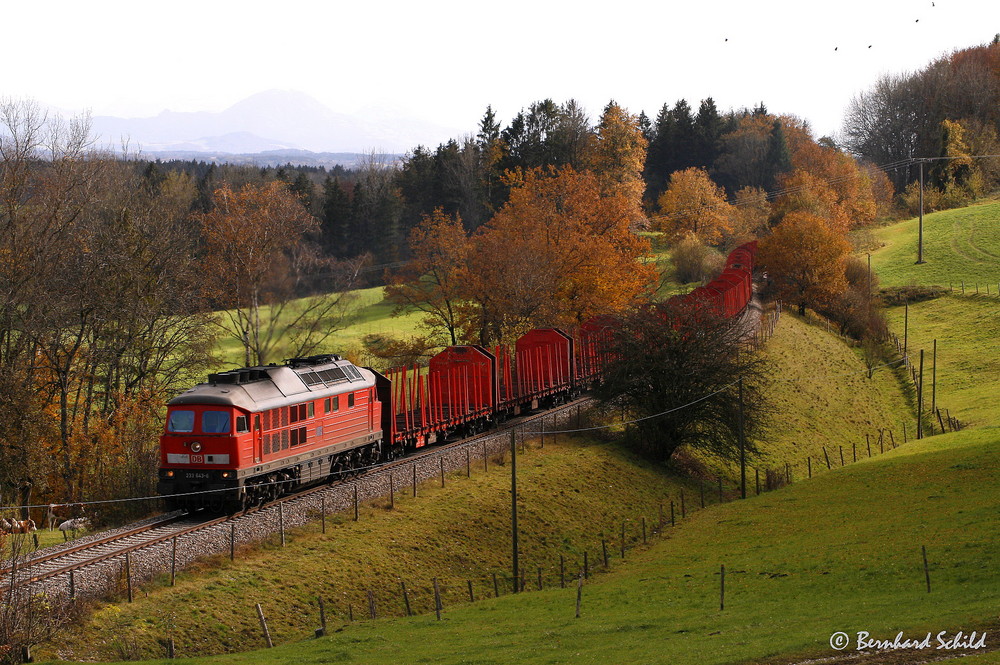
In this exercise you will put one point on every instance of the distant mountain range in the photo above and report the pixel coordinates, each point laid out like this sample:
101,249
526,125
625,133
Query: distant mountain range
271,125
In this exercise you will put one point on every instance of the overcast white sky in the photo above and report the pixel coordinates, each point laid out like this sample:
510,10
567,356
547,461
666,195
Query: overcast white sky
445,61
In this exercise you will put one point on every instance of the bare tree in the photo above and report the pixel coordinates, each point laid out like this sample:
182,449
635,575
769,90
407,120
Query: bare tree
273,285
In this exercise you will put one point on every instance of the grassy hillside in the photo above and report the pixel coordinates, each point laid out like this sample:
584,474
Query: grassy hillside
968,369
960,244
824,398
572,493
801,563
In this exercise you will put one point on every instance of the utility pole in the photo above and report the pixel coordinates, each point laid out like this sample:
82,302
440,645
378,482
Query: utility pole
920,240
920,399
869,283
743,449
513,508
934,383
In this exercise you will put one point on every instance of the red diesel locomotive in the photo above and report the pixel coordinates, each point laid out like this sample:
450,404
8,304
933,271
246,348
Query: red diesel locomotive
248,435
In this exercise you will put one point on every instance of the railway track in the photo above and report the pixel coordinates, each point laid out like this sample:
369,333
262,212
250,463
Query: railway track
77,568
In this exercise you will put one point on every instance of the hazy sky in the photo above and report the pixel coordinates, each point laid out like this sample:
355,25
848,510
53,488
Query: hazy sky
445,61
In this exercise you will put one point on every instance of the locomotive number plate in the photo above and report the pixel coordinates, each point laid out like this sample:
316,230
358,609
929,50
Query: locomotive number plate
197,459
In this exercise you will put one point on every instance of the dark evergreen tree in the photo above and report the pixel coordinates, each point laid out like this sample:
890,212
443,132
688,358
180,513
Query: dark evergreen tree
708,130
335,219
779,156
303,187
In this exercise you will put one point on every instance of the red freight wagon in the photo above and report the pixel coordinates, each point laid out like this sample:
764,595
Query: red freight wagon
544,360
593,340
458,391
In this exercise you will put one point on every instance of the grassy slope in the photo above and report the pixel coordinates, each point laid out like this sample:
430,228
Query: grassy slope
961,244
966,329
803,562
823,397
457,533
460,532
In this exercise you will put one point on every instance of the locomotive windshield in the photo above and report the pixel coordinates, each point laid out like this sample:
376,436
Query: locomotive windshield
181,421
215,422
184,421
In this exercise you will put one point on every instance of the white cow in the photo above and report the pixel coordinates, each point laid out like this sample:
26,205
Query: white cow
74,525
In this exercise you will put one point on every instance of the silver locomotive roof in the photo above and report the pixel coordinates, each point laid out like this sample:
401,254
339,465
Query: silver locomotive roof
272,386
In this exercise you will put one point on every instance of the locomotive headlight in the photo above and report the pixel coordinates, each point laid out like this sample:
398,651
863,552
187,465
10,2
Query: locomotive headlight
196,446
226,474
169,474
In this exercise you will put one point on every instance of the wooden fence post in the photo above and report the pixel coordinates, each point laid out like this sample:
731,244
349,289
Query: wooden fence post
927,573
406,598
579,594
722,588
263,625
128,574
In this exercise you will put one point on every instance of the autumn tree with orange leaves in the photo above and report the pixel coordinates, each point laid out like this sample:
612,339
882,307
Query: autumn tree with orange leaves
692,203
617,155
805,257
827,182
557,253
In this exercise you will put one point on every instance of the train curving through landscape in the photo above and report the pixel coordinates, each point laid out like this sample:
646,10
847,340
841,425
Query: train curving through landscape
248,435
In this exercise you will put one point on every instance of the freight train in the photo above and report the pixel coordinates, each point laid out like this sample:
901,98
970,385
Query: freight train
248,435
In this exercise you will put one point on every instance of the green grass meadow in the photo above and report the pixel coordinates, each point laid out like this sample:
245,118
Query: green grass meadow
959,245
803,562
368,313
